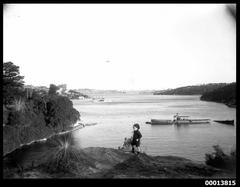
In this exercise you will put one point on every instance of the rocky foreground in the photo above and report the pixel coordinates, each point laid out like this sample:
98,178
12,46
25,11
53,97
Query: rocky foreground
43,160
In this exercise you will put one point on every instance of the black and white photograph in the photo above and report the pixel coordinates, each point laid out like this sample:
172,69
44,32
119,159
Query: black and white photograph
120,91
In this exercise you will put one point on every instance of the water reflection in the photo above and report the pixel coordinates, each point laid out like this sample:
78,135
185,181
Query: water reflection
180,127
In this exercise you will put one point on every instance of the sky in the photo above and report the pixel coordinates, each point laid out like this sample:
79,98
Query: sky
120,46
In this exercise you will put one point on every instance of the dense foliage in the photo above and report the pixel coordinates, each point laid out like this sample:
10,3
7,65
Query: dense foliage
60,112
30,114
219,159
191,90
226,95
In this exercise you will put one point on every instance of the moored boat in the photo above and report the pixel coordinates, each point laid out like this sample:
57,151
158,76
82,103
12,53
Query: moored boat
179,120
228,122
191,122
161,122
98,100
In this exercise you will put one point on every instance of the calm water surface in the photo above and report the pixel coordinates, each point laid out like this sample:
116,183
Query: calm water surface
116,116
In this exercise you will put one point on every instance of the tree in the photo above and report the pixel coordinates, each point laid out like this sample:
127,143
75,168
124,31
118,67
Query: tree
53,89
12,82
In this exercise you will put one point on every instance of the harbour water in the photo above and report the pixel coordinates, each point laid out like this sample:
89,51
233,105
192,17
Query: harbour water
118,113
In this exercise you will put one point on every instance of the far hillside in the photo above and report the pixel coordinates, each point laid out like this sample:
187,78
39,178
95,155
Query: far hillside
226,95
191,90
87,91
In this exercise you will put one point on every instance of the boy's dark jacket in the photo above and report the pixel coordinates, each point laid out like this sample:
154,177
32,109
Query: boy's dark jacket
136,135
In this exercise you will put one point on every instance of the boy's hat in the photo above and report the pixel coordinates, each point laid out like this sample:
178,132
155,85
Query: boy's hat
137,125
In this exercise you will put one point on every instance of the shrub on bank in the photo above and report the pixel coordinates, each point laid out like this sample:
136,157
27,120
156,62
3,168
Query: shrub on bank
19,105
17,118
66,158
5,115
219,159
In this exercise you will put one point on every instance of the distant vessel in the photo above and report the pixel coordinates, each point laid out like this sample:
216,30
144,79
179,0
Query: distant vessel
97,100
179,120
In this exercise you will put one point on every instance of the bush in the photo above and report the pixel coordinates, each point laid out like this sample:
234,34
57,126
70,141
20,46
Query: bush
60,112
5,115
65,155
19,105
219,159
17,118
39,103
10,138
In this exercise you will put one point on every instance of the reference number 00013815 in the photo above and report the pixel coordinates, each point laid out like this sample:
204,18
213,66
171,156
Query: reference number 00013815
220,182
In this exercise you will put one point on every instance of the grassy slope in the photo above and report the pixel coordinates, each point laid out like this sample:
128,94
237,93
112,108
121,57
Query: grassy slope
99,162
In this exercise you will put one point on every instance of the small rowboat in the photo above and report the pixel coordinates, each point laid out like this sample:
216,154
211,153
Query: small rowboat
228,122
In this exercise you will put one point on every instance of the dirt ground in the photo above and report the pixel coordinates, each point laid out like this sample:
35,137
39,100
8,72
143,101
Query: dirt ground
100,162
